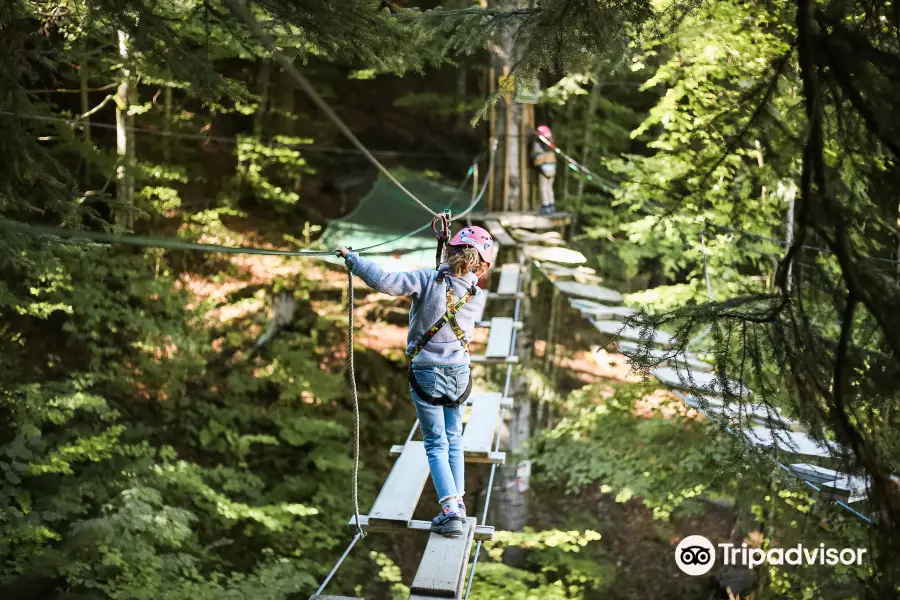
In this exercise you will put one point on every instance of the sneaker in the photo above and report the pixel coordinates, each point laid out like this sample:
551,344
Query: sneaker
462,510
448,524
544,210
551,210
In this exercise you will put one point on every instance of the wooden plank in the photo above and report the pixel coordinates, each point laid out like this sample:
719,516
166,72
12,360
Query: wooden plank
481,358
688,361
601,312
478,437
499,297
487,324
442,570
549,238
815,473
738,414
535,222
554,269
524,220
400,494
500,338
620,330
491,458
705,382
790,442
483,533
475,396
555,254
499,233
333,598
584,290
509,280
849,488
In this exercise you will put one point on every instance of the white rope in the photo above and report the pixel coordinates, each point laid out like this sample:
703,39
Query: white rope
352,373
241,11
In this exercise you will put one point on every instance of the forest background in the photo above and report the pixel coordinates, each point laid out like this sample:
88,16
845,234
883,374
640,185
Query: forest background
176,424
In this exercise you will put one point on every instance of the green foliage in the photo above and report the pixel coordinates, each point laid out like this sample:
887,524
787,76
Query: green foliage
668,462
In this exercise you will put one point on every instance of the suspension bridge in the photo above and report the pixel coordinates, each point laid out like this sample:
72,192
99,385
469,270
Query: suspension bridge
527,244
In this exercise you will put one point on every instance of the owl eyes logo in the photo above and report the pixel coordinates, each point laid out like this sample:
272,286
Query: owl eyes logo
695,555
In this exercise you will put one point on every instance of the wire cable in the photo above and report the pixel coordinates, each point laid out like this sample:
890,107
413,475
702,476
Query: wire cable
241,11
321,589
490,487
484,185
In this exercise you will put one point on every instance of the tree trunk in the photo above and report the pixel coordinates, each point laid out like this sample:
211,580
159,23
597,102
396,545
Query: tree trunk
508,125
125,139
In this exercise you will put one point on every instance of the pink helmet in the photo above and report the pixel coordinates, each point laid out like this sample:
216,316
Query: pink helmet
545,131
477,238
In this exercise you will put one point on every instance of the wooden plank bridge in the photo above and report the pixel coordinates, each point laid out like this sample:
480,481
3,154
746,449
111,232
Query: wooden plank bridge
442,570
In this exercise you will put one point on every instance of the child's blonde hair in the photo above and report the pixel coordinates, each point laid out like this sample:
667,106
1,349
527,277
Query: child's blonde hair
464,260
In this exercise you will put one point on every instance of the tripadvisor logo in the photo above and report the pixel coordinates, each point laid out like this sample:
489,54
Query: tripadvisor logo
696,555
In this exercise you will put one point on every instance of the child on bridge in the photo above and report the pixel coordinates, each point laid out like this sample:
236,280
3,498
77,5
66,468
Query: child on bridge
445,303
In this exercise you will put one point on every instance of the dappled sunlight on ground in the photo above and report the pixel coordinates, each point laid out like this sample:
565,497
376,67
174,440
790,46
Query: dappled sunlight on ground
662,402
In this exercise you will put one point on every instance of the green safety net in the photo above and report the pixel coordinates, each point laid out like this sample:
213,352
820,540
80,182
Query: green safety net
386,213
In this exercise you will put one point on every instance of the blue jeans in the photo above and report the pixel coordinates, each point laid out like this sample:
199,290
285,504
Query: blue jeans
442,427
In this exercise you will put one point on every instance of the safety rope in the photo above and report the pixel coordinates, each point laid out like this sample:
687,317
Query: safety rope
267,40
484,185
576,166
352,373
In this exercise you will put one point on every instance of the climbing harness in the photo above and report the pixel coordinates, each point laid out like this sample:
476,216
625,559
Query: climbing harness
445,401
440,225
448,318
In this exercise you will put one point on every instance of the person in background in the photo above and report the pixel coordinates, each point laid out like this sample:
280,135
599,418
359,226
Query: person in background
445,303
543,157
